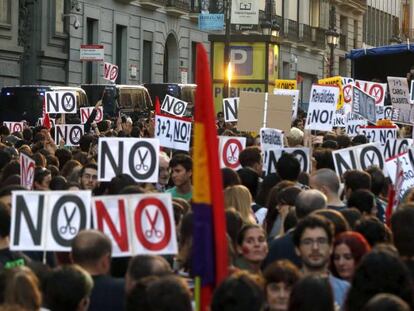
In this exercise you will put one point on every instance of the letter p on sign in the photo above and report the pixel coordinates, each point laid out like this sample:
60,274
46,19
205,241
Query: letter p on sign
110,72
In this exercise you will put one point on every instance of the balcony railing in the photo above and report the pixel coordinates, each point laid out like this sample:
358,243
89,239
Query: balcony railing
152,4
179,4
306,34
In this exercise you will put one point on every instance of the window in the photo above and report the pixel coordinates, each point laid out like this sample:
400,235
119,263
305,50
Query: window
59,11
5,12
314,13
121,56
147,62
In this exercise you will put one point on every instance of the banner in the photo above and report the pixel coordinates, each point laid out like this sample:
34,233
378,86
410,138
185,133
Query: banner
70,133
48,220
353,123
335,81
364,105
407,171
322,107
173,133
394,147
14,126
27,168
137,224
270,139
229,151
137,157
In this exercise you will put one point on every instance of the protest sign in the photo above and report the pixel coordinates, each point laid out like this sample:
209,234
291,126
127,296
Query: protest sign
137,224
353,123
60,102
70,133
339,119
110,72
407,171
399,93
335,81
271,156
229,150
295,98
383,112
137,157
14,126
257,110
86,112
358,157
173,132
174,106
41,122
322,107
379,134
374,89
27,168
394,147
230,107
48,220
347,80
364,105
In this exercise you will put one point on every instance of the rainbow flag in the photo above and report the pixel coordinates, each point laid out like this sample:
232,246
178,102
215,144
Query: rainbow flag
209,257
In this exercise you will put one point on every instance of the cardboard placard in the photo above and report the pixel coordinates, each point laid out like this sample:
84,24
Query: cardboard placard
173,133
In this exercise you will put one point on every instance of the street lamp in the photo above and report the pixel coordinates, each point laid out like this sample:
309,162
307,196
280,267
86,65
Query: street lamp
332,38
275,29
266,27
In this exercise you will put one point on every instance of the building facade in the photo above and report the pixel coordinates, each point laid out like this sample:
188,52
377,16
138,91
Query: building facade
150,40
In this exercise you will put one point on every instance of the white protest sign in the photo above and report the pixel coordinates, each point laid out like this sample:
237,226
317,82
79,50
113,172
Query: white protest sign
137,157
270,138
347,80
407,168
339,119
173,133
375,89
153,224
379,134
359,157
110,72
48,221
271,156
399,93
322,107
384,112
230,107
348,93
353,123
229,150
394,147
60,102
174,106
14,126
70,133
364,105
86,112
295,97
27,168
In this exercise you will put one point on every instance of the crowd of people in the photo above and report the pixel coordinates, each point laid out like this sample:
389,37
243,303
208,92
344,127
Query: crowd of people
297,240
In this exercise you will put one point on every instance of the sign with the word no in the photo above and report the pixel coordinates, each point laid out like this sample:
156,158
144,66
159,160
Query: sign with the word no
173,133
110,72
174,106
60,102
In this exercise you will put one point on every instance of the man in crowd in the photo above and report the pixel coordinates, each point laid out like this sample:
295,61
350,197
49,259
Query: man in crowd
181,166
313,239
164,172
89,177
326,181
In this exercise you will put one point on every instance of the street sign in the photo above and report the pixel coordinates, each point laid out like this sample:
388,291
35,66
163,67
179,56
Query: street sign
211,21
92,52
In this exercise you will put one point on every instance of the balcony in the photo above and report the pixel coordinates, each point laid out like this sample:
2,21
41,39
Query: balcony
302,34
177,7
151,5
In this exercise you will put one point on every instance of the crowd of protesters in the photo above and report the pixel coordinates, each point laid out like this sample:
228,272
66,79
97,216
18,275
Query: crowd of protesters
297,241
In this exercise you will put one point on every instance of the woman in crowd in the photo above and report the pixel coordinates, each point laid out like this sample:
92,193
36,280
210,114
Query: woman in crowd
349,247
239,197
251,248
280,276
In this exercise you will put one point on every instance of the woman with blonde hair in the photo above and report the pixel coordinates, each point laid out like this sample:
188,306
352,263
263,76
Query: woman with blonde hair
239,197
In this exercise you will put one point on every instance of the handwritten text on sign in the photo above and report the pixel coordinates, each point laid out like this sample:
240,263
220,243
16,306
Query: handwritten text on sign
173,133
322,107
174,106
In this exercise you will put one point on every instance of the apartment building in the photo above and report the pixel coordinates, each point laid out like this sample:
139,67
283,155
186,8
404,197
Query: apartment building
150,40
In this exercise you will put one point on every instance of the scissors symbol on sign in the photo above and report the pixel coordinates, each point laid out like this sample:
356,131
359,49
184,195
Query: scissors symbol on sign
68,227
153,223
142,160
232,157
